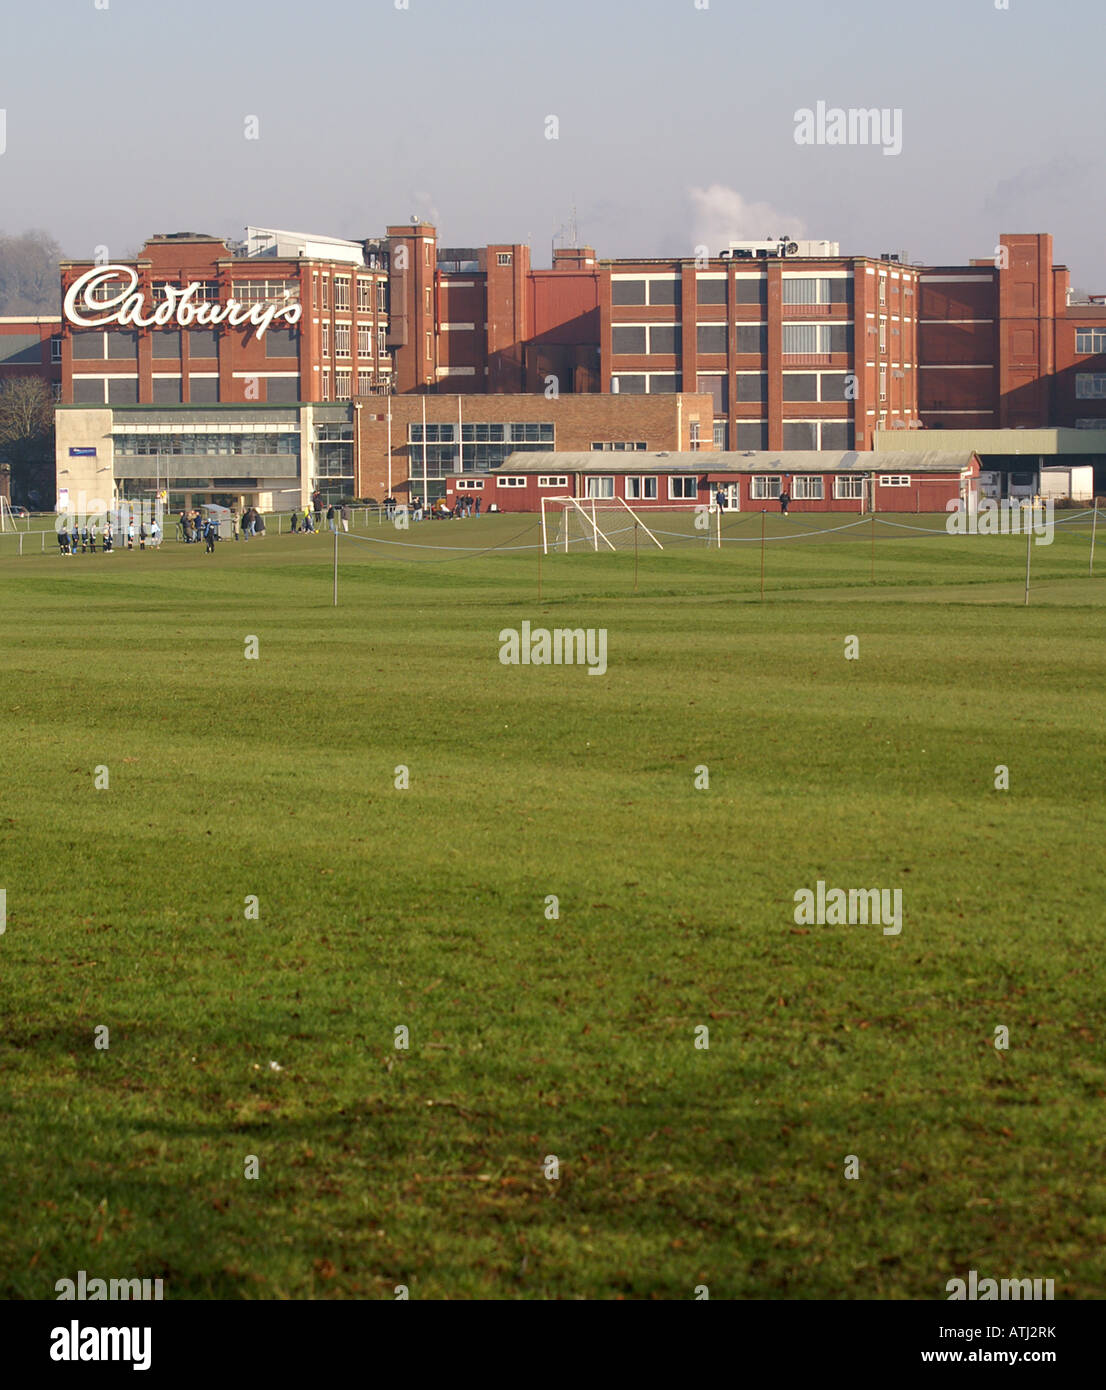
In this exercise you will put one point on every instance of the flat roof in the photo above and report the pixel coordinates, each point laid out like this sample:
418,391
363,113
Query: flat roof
1004,441
760,461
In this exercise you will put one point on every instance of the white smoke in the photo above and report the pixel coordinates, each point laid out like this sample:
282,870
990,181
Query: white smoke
722,215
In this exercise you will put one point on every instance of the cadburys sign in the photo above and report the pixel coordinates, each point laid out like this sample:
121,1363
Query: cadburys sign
126,307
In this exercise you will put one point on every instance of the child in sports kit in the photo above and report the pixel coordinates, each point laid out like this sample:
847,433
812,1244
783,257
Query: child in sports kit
92,539
74,539
84,539
130,535
109,542
63,541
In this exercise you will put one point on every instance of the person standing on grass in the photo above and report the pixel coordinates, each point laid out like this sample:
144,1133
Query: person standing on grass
130,535
210,533
345,517
478,506
74,539
109,539
295,521
785,501
234,523
330,517
63,541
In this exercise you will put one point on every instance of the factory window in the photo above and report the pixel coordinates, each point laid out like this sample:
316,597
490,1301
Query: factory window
364,383
665,291
341,291
326,292
641,489
55,349
664,338
800,386
683,489
382,342
628,339
266,291
816,337
511,482
364,295
552,480
815,289
764,487
341,340
475,484
753,337
807,487
711,337
711,292
848,489
364,342
342,386
883,383
1090,386
326,339
1090,340
504,258
894,480
628,292
600,486
382,296
326,385
620,446
751,289
106,290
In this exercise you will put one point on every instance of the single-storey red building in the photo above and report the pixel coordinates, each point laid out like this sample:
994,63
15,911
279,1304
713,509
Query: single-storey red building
815,481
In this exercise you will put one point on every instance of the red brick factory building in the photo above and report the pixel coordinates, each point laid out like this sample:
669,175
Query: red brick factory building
319,373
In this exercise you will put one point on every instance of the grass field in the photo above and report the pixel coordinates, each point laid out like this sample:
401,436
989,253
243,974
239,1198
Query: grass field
529,1037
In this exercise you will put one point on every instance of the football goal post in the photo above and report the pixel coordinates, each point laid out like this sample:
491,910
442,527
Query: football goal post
591,523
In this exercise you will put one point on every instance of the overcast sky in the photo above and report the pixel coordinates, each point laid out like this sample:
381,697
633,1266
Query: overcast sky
676,122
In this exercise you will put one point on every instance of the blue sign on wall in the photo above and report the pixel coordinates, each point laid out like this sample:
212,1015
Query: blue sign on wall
82,453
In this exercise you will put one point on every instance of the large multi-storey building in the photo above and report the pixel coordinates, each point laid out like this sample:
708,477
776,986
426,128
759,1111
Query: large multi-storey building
261,369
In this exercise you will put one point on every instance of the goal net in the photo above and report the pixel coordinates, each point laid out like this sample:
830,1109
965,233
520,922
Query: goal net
593,523
571,524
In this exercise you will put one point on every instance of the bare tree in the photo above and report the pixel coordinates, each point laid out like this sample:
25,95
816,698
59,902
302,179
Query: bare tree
29,277
27,439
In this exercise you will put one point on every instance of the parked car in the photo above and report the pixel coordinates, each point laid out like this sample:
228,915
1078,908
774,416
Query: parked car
19,511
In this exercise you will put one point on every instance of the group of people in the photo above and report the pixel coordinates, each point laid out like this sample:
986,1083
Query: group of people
191,527
84,538
312,521
463,507
720,501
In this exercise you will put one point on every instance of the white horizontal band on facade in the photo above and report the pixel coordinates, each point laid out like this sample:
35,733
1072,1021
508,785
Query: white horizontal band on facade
202,426
457,328
956,366
456,371
817,274
261,376
458,284
957,279
648,275
956,320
